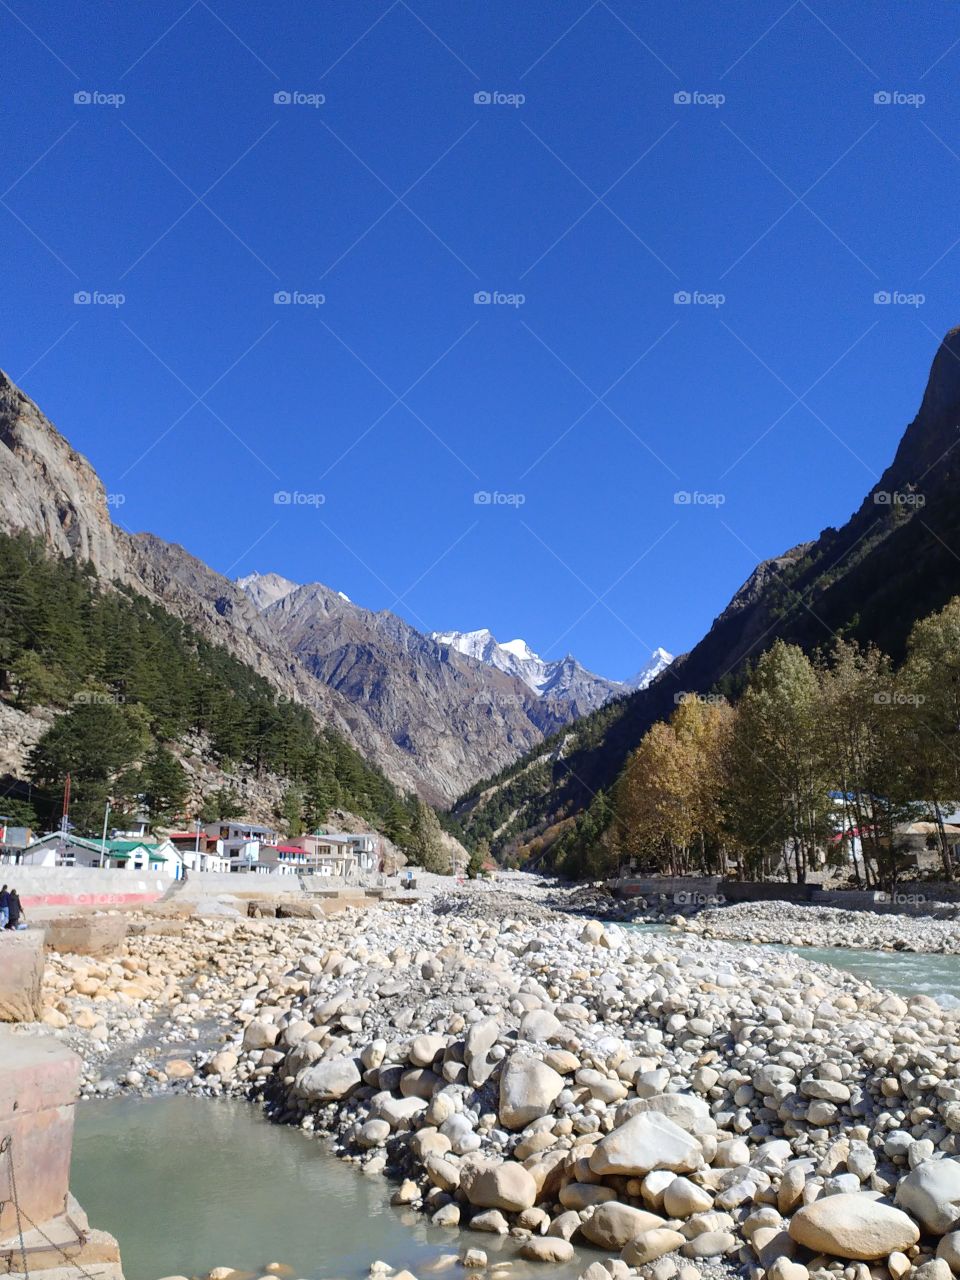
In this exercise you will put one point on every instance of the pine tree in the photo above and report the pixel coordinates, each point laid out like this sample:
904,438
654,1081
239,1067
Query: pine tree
164,784
426,846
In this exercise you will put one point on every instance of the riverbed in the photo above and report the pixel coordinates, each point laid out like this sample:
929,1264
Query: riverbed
907,973
188,1184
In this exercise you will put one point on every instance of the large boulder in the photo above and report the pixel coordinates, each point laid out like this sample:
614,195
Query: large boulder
505,1186
327,1081
684,1109
932,1194
853,1225
528,1090
647,1141
614,1224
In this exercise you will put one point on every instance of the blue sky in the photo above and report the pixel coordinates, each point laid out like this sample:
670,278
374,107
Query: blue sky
776,191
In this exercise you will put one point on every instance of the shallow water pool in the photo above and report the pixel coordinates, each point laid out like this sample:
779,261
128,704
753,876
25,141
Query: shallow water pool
187,1184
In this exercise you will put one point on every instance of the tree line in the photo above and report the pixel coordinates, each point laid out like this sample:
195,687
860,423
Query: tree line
129,682
818,752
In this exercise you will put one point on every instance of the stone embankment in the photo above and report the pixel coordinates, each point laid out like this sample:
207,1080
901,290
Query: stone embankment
679,1103
809,926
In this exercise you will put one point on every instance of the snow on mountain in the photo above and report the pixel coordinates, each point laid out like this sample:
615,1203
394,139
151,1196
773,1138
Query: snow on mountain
659,661
563,679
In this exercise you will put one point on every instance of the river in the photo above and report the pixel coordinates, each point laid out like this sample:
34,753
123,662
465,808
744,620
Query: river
907,973
187,1184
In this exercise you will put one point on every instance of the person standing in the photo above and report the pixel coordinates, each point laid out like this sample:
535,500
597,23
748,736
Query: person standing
15,911
4,907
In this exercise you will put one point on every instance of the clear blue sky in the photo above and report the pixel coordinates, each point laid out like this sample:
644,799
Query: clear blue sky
598,198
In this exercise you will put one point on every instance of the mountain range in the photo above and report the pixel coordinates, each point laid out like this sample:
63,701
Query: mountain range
562,677
895,560
433,718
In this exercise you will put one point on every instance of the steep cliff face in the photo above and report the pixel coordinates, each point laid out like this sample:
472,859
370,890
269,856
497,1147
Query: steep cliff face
50,490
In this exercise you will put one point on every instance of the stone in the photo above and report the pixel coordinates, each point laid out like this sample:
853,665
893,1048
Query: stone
647,1141
425,1048
651,1245
547,1249
528,1090
492,1221
498,1186
931,1192
260,1035
786,1269
683,1198
222,1064
328,1080
613,1224
949,1250
710,1244
686,1110
853,1225
179,1069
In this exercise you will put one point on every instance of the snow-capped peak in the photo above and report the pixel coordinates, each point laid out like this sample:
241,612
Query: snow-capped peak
520,649
659,661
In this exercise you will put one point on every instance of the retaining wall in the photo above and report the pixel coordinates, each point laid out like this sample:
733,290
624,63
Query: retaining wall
82,886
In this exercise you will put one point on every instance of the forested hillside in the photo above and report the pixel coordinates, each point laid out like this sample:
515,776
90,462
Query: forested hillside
129,680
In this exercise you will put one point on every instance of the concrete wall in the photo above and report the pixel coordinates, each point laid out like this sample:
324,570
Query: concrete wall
241,884
82,886
21,976
39,1079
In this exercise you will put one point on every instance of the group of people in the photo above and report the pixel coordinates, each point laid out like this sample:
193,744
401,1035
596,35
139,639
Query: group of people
11,912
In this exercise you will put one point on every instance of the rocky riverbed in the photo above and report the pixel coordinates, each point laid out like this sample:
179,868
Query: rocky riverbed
688,1106
934,933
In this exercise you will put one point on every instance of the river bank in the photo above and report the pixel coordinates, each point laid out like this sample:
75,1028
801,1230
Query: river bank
674,1100
936,932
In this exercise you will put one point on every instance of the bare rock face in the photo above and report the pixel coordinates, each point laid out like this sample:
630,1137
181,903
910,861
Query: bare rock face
453,717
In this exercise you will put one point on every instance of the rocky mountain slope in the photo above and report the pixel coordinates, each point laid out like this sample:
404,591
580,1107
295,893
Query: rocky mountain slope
895,560
432,719
450,713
